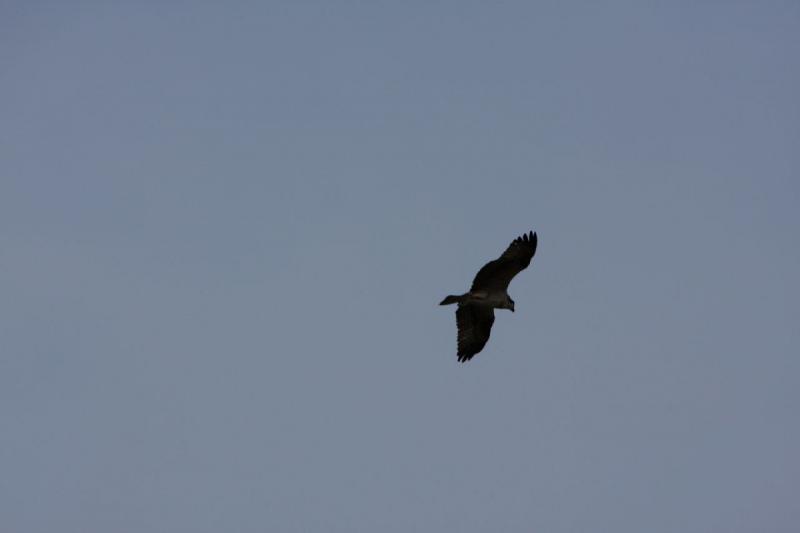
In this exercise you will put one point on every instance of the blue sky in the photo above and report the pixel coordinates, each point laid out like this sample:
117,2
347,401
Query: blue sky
224,230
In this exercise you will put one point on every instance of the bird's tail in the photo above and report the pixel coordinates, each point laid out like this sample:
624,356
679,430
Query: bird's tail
452,299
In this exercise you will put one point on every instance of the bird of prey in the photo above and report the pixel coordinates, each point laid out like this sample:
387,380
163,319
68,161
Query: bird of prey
475,313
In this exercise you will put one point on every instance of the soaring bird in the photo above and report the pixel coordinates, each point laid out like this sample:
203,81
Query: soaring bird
475,313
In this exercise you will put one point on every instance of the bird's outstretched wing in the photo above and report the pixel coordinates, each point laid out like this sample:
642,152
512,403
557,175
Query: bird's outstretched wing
474,326
497,274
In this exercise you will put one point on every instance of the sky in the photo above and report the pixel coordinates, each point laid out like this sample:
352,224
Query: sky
225,229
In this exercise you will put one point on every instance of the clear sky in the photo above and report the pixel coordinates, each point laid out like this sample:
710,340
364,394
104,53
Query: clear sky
225,229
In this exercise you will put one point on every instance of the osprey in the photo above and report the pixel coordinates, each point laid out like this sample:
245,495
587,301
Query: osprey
475,313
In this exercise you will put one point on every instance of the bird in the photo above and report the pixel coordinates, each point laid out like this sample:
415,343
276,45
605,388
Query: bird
489,291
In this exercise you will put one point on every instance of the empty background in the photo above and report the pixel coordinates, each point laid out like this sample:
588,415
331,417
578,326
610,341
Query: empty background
225,229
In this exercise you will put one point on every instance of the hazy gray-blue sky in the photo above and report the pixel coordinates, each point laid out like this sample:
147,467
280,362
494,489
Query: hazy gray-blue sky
224,230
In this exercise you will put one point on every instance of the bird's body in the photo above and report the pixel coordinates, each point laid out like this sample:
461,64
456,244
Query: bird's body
475,313
493,299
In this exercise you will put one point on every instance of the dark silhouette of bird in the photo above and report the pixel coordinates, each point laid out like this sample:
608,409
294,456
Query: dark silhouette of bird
489,291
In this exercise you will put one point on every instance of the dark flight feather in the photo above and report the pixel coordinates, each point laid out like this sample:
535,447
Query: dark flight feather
497,274
474,324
